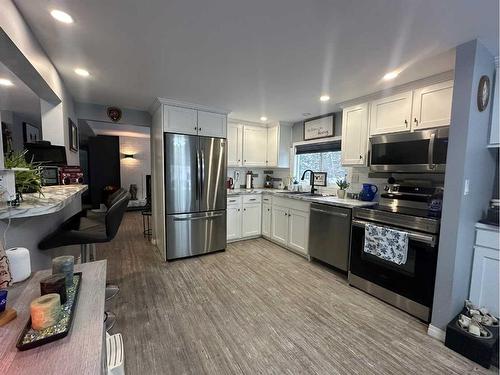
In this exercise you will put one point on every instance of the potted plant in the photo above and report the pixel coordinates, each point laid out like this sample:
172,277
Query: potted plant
343,186
28,175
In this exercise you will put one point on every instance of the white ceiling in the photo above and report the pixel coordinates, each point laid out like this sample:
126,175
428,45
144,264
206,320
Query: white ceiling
18,98
254,57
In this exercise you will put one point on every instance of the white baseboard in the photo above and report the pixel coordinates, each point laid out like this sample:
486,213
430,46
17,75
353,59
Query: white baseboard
436,333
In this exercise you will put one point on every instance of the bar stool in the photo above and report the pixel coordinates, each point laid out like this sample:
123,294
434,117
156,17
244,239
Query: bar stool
87,232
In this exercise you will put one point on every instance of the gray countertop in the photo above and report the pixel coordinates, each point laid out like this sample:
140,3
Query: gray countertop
54,199
328,200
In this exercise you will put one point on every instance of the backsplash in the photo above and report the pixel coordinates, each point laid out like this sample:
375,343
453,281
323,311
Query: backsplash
259,175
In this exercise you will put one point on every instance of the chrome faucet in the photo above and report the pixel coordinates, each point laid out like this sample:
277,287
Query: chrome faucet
311,181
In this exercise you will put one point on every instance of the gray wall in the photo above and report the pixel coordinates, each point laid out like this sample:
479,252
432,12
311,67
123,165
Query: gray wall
97,112
298,128
14,121
468,159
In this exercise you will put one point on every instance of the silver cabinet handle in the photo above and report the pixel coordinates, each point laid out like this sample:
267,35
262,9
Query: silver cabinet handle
406,123
339,214
232,201
415,121
252,199
428,239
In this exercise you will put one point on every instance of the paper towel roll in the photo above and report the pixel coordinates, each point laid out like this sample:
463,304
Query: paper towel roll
45,311
20,266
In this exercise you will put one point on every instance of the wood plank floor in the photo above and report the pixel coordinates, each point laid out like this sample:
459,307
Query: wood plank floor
258,309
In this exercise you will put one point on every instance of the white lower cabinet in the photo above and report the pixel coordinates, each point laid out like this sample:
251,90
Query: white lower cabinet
284,221
233,223
251,220
266,220
298,230
279,226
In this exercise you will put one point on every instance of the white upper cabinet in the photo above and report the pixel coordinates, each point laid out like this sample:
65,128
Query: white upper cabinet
432,106
234,144
391,114
279,141
355,135
272,146
254,146
211,124
180,120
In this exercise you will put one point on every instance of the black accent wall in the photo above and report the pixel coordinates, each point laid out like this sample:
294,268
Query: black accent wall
104,166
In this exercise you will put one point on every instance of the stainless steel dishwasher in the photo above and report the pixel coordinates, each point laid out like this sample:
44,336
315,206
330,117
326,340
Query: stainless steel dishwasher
329,235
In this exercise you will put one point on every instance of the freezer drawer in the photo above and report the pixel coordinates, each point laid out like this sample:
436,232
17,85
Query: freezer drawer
194,234
329,235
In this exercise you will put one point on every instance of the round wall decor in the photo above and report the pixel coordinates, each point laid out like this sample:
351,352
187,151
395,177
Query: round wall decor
483,93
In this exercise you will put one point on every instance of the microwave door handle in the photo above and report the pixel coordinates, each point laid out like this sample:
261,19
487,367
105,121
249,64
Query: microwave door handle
427,239
430,152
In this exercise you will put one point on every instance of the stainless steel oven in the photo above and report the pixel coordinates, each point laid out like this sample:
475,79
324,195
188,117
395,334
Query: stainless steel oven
417,152
408,286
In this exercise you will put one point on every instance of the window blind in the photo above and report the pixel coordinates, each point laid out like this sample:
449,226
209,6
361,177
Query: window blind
317,147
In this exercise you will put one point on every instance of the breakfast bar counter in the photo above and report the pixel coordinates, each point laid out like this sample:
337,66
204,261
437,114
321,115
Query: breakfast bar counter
36,217
81,352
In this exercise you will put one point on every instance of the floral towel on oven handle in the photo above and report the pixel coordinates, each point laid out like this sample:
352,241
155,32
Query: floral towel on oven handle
385,243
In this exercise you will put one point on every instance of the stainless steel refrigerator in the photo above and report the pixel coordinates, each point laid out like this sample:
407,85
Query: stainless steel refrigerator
195,194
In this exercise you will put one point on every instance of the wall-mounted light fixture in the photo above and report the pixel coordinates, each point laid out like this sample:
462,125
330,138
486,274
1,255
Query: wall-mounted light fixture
128,156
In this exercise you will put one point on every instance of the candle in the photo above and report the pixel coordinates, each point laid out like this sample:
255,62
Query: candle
54,284
64,264
45,311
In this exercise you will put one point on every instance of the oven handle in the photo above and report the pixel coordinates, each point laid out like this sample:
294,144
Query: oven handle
430,151
425,238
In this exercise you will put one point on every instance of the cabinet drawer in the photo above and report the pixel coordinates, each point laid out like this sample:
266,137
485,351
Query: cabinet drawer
252,198
487,238
234,201
294,204
266,198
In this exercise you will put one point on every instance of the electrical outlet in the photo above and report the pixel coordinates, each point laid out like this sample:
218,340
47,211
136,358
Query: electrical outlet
466,187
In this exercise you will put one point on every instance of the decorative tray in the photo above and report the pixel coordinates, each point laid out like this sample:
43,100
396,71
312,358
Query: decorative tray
31,338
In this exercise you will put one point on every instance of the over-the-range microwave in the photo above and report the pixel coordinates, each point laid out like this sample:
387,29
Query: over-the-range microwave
422,151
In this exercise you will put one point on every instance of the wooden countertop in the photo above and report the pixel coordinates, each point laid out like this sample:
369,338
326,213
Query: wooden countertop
54,199
81,352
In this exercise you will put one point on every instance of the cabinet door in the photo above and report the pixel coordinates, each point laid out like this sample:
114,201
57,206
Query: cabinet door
484,280
298,231
279,225
355,135
251,220
254,142
266,220
211,124
272,146
432,106
234,144
233,223
179,120
392,114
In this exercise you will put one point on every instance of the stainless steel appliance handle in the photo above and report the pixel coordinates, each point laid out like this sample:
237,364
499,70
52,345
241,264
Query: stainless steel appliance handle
339,214
425,238
198,174
430,152
197,217
202,179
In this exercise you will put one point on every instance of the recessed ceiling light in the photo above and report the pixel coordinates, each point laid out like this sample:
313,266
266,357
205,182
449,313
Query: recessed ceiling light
391,75
6,82
324,98
61,16
263,118
82,72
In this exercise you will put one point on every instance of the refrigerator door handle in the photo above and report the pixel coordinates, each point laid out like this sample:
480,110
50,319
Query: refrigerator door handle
202,174
192,218
197,172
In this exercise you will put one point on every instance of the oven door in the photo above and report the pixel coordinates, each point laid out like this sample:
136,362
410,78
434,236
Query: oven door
413,280
421,151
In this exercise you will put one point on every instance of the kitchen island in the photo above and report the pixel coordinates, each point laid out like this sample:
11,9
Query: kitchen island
36,217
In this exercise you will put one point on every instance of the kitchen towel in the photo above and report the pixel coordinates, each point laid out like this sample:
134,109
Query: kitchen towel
388,244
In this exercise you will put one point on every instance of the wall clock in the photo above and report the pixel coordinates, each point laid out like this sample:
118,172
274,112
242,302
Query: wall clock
483,93
115,114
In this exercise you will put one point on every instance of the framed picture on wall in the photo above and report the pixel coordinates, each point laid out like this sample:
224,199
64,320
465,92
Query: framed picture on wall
320,178
31,133
73,136
319,127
